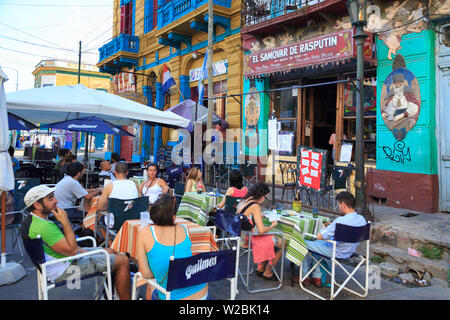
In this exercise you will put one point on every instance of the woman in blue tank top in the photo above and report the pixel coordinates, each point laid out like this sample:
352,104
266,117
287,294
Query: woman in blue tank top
157,242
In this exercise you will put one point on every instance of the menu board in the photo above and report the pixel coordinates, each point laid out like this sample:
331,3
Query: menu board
311,164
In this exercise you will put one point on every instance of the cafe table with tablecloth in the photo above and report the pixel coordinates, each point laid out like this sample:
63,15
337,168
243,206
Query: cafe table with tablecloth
196,206
138,180
201,237
294,225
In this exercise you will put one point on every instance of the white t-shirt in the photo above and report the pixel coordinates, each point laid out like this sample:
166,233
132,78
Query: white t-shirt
68,191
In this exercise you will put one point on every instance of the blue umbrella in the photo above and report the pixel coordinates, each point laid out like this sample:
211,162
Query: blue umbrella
89,124
17,123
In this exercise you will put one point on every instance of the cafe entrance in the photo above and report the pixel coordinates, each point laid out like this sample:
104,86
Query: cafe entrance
308,114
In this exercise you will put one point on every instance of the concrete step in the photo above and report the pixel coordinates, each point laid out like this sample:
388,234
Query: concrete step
415,232
437,269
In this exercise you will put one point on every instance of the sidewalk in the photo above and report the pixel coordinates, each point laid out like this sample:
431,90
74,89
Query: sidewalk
26,288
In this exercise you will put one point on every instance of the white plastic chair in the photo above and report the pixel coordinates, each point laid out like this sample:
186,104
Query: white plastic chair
35,250
209,274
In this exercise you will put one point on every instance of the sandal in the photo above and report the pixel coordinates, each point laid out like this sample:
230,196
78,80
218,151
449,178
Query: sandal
273,277
260,273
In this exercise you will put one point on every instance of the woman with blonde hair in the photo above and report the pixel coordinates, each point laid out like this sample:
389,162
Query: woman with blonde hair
194,181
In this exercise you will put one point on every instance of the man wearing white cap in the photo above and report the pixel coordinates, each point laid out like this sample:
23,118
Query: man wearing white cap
40,202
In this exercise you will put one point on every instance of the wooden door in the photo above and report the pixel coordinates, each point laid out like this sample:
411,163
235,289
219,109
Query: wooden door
307,117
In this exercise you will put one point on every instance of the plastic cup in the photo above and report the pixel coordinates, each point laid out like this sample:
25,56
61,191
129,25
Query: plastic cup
145,218
315,212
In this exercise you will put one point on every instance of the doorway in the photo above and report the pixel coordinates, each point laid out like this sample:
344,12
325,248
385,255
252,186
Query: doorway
318,110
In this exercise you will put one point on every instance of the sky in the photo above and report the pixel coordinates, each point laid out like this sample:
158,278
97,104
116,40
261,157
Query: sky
35,30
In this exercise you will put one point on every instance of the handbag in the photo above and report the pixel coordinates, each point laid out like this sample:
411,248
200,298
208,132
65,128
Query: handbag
246,224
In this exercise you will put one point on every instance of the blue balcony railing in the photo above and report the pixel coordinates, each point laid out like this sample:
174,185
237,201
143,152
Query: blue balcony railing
175,9
123,42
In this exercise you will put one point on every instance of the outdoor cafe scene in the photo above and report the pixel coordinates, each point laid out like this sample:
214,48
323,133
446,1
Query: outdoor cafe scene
225,150
192,225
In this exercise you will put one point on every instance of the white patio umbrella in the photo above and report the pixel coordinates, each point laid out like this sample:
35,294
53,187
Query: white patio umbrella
6,171
60,103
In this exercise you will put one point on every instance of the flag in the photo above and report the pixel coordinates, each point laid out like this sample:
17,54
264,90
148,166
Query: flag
203,75
168,80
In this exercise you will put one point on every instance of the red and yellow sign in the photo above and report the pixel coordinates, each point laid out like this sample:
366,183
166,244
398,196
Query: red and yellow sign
330,48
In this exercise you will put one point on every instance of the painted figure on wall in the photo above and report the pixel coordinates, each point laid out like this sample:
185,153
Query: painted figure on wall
400,100
252,112
398,19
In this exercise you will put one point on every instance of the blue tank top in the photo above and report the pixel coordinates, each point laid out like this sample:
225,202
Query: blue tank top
158,259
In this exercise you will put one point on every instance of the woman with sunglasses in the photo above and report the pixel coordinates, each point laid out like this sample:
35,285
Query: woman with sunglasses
251,208
153,187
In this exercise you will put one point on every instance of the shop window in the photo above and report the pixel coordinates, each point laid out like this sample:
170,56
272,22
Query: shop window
150,22
126,18
349,119
285,105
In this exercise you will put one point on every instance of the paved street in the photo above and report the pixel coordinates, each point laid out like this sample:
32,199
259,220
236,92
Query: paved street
26,288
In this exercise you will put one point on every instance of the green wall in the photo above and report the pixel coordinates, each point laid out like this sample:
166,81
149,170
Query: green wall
261,149
419,153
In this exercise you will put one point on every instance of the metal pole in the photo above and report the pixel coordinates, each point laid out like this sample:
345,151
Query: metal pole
3,211
209,62
360,36
75,134
210,76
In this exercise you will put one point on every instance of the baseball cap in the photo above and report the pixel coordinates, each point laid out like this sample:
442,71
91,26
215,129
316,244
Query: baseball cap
37,193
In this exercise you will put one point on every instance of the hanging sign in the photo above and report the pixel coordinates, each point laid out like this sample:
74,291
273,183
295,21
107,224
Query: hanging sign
331,48
311,164
219,68
272,127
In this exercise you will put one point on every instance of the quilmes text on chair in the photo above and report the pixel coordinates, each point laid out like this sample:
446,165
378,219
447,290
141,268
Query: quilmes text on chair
201,268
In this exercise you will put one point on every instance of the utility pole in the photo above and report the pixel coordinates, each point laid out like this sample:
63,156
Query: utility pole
210,76
75,134
210,63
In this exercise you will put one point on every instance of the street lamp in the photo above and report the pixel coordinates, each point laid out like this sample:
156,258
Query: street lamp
357,10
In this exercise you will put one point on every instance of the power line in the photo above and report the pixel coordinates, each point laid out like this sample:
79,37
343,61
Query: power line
36,55
29,34
98,36
43,45
95,28
53,5
65,23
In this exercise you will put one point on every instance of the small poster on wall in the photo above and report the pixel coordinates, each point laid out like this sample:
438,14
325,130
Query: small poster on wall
311,166
346,152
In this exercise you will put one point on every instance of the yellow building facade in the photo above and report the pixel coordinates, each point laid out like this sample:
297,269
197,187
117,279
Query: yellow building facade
148,34
61,72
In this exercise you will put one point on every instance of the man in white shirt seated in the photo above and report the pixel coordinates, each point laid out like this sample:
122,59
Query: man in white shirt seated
346,202
106,172
121,188
69,191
